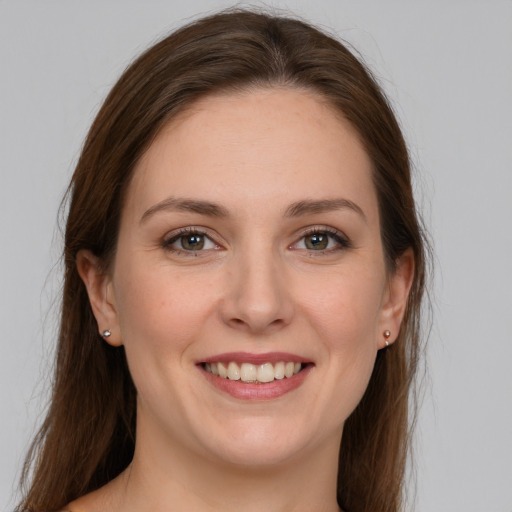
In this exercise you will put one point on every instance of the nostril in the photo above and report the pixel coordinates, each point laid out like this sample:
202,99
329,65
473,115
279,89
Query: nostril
238,323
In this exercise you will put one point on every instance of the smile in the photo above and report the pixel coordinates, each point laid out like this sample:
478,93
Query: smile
247,376
254,373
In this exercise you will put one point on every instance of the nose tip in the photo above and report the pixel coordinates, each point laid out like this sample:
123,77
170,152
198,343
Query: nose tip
256,321
257,300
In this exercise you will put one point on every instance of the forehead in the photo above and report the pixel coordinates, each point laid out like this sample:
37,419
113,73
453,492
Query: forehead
259,147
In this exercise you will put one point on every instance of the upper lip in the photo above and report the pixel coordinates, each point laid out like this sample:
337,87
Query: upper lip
247,357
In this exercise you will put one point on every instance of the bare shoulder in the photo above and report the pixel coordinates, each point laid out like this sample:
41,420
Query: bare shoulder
99,500
107,498
91,502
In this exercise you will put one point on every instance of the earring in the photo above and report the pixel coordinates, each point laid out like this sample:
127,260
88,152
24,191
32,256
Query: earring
106,334
387,334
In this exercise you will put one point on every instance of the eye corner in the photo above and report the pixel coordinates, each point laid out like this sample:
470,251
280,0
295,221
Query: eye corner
201,240
329,240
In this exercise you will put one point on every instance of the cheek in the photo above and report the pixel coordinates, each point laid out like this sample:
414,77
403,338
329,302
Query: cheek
346,318
160,314
160,310
346,307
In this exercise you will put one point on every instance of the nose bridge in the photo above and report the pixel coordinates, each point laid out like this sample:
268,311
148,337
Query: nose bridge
256,298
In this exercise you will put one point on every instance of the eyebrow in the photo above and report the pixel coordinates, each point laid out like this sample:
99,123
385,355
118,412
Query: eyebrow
309,207
186,205
297,209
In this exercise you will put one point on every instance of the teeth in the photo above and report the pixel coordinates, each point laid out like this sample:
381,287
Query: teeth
233,371
279,371
248,372
222,370
266,372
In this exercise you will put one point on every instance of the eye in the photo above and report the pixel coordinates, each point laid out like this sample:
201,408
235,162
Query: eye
319,240
189,240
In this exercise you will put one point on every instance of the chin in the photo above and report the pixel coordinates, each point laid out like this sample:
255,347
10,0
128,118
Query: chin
257,443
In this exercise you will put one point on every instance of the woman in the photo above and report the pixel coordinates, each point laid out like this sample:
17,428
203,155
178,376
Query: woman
244,275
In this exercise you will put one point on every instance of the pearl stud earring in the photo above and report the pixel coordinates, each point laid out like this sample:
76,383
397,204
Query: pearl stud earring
387,334
106,334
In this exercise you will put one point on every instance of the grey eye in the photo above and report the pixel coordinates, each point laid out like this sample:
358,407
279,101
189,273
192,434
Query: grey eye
192,242
316,241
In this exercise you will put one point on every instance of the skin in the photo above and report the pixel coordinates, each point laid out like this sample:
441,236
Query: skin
257,286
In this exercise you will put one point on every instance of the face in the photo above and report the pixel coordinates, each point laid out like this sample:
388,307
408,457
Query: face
249,247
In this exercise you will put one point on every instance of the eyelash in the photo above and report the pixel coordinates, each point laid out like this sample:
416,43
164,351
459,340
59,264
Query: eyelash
341,240
167,243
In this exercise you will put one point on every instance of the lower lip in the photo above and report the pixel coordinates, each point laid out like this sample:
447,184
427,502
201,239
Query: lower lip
252,391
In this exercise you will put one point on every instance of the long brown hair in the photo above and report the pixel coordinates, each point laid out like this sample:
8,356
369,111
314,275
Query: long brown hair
88,435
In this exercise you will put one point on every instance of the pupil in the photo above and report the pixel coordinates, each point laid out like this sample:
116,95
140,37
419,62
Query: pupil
317,241
193,242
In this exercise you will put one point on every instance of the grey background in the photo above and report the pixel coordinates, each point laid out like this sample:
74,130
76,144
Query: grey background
447,66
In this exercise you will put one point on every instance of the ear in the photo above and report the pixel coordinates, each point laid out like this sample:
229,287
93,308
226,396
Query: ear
101,296
395,299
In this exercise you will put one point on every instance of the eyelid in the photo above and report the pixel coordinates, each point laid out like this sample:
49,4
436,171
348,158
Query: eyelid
175,234
341,238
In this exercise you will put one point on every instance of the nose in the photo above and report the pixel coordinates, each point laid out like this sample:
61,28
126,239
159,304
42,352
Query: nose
257,299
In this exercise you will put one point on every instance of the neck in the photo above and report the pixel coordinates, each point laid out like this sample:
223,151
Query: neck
171,477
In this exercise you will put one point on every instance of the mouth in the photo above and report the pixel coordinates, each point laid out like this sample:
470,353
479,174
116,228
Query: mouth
256,376
254,373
